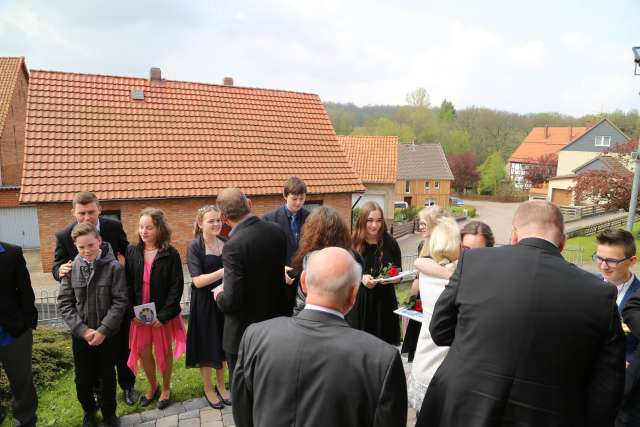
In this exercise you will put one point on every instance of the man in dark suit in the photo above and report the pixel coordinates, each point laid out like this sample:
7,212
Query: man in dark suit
253,258
86,208
534,340
313,369
291,217
18,316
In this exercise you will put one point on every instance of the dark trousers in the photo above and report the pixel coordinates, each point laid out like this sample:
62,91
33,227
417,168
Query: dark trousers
126,379
16,361
95,365
231,364
629,414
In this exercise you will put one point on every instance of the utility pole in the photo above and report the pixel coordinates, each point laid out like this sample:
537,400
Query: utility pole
633,203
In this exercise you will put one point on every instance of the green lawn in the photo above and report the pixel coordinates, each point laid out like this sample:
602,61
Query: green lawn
588,245
58,405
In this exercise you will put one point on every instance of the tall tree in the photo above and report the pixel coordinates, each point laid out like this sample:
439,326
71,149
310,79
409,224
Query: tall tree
465,171
541,169
447,110
418,98
492,172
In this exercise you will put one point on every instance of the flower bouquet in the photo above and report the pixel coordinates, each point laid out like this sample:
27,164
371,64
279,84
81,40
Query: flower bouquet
413,303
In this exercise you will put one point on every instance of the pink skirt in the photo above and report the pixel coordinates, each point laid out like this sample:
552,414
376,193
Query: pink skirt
140,336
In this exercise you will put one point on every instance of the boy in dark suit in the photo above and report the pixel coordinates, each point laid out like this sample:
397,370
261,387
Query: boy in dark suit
18,316
291,217
86,208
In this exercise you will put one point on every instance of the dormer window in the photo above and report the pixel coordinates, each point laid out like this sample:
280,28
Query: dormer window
603,141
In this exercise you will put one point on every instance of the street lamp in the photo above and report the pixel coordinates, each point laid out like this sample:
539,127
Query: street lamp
635,156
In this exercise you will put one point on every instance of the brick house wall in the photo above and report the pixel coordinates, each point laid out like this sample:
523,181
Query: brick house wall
9,197
180,213
419,194
12,137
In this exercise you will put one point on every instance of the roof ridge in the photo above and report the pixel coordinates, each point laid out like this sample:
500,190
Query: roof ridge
234,86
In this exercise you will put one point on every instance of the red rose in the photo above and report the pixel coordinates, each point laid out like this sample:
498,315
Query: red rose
393,271
418,306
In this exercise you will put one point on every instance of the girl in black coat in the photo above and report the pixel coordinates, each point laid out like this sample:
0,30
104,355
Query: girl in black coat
154,275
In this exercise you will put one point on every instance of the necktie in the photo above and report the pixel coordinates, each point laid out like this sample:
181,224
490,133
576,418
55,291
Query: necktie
294,229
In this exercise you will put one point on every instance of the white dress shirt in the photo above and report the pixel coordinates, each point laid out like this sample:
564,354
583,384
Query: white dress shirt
323,309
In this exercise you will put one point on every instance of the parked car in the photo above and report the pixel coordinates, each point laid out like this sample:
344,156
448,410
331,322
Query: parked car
455,201
430,202
400,205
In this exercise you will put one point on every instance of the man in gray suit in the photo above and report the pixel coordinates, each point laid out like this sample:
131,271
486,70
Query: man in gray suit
313,369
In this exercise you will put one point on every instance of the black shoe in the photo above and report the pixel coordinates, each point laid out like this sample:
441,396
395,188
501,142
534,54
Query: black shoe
130,396
89,420
111,421
222,399
218,405
164,403
146,402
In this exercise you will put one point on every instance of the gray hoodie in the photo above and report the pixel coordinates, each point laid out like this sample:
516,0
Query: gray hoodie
96,295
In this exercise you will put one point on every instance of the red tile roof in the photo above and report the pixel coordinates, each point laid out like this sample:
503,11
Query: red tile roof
536,144
85,132
9,71
374,158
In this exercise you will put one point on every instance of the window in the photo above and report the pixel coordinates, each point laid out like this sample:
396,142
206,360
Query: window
436,185
113,214
407,186
603,141
427,185
312,204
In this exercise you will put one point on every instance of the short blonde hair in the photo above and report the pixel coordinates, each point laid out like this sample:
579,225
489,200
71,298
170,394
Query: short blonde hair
444,243
430,216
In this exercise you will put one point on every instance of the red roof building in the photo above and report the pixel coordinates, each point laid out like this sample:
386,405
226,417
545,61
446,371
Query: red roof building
140,142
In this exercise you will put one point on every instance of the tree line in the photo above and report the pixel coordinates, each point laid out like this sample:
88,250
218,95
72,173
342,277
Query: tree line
480,139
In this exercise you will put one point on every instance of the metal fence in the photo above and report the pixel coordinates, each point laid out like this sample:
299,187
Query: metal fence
46,304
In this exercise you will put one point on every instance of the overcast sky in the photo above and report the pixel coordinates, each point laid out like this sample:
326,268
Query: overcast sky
569,56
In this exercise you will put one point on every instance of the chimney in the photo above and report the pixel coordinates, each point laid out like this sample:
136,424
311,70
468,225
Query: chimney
228,81
570,132
155,75
546,131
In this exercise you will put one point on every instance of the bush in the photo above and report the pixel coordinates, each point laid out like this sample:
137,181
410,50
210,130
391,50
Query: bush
52,357
405,214
354,216
459,210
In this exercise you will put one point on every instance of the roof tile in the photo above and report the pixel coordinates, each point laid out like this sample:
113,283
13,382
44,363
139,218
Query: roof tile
536,144
373,157
422,161
184,139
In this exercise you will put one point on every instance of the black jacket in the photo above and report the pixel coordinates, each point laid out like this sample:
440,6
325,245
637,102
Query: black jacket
279,216
313,370
110,230
17,310
254,287
535,341
167,281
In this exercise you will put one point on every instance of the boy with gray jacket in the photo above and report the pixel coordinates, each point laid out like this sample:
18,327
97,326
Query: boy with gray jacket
93,301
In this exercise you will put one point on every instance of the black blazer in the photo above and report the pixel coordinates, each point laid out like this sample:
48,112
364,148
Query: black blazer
167,280
17,310
534,340
110,230
314,370
279,216
254,288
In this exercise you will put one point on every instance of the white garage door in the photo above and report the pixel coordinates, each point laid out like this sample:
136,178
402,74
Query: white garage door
378,198
19,226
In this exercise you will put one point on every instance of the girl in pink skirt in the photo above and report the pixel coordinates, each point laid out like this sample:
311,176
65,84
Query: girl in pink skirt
154,274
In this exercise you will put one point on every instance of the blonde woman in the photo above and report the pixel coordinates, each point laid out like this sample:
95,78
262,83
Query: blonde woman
444,248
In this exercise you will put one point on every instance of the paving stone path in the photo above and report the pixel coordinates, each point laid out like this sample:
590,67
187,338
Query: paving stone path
191,413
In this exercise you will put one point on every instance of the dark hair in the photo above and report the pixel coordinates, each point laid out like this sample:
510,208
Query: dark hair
163,236
324,227
294,185
84,198
233,203
479,227
360,230
84,229
618,237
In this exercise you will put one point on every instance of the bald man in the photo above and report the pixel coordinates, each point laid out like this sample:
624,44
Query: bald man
535,341
313,369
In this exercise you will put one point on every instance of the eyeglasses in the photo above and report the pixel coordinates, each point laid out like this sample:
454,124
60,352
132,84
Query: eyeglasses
608,261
